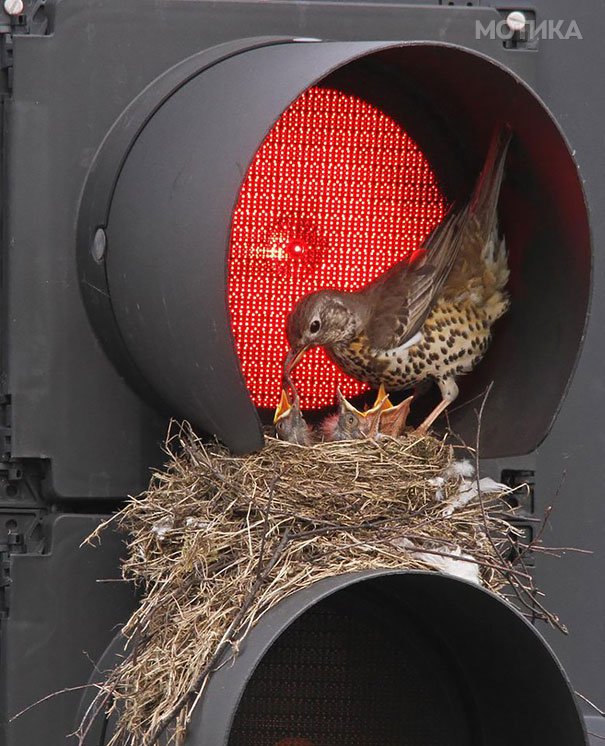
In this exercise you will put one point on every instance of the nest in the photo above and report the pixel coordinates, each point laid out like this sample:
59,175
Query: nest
217,540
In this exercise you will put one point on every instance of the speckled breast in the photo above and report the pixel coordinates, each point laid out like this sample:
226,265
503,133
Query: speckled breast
455,337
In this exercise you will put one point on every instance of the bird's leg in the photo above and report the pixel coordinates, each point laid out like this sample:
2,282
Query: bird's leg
424,427
449,391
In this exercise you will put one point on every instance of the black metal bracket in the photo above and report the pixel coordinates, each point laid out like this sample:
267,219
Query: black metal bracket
522,503
21,532
5,431
21,514
11,471
31,18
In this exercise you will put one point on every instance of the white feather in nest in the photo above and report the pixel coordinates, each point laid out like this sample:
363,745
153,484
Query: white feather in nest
461,469
465,568
191,522
467,489
162,528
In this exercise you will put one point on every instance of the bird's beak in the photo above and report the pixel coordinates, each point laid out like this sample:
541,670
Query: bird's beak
293,358
283,407
344,402
382,400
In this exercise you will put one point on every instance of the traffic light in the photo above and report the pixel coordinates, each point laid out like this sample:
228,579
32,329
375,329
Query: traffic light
178,173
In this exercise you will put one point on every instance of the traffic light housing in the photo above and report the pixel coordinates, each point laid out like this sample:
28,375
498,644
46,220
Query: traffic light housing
129,128
143,189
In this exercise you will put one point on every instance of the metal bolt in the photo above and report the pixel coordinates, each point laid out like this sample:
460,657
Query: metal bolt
516,21
99,245
13,7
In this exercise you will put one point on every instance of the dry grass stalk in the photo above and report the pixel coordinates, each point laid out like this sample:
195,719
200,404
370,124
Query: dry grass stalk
217,540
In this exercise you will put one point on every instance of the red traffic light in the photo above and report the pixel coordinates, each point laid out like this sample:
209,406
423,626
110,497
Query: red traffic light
337,193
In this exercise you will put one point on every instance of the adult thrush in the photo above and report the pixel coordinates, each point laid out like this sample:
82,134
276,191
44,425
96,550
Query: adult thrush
428,316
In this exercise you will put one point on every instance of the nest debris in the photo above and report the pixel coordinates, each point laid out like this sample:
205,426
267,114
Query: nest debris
217,540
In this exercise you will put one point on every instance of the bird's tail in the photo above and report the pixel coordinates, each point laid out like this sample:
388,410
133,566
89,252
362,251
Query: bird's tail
483,279
484,200
481,269
484,205
491,287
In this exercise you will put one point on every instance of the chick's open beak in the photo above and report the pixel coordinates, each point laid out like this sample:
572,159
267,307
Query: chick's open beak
344,402
382,401
283,407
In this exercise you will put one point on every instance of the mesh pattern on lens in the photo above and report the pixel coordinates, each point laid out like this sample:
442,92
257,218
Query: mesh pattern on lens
336,194
338,679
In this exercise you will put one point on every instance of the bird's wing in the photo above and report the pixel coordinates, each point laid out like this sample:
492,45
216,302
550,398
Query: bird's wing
402,297
482,267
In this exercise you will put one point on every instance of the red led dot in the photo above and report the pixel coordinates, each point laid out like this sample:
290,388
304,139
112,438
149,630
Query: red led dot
337,193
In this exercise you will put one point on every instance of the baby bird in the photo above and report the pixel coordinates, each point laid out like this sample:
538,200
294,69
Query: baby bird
289,423
393,418
348,423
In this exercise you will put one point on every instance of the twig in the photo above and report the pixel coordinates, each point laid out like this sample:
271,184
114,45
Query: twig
508,574
266,512
68,689
222,648
93,710
547,513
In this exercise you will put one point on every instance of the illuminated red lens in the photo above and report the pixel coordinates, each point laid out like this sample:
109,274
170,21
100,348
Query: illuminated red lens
336,194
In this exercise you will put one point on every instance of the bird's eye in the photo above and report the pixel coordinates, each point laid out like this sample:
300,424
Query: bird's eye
351,420
314,326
